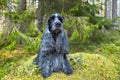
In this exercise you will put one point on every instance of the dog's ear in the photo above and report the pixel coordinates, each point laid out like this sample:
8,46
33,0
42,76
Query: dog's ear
50,20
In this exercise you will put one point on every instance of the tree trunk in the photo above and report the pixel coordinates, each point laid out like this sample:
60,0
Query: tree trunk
114,13
114,8
7,30
105,9
6,37
21,8
21,26
107,13
108,9
101,8
40,14
118,12
32,3
21,5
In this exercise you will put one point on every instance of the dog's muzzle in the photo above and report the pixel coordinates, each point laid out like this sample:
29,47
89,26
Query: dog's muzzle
57,28
57,24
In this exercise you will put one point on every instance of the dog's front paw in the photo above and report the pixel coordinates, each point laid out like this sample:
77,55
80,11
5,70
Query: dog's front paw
46,75
68,71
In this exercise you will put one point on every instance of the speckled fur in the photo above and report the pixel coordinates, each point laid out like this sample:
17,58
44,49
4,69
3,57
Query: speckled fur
52,54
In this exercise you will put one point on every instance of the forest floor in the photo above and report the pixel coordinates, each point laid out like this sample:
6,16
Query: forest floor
17,64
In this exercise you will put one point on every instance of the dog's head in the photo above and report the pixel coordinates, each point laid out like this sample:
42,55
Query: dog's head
55,23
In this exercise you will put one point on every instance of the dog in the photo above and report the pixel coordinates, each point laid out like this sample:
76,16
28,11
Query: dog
54,48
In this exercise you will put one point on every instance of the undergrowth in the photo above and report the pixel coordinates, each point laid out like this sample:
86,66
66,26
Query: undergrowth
17,64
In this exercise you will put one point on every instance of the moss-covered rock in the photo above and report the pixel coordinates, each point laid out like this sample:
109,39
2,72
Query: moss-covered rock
92,67
86,67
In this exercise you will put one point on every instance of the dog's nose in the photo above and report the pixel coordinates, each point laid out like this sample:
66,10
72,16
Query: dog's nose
58,24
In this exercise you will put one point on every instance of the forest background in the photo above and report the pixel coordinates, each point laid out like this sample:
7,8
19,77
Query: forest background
92,27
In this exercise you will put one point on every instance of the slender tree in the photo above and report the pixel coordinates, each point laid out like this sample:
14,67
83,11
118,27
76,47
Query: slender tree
101,7
21,8
40,14
114,12
114,8
7,28
105,9
108,9
21,5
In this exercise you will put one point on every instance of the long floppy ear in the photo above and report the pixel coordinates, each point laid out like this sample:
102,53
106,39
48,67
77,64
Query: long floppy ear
50,19
49,23
47,29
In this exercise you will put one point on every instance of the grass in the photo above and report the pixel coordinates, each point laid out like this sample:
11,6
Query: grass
97,59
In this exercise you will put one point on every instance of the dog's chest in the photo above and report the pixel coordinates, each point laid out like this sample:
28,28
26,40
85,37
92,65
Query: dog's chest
56,62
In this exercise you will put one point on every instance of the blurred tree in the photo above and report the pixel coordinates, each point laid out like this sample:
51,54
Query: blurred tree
108,9
40,14
21,8
114,8
5,36
114,12
32,3
21,5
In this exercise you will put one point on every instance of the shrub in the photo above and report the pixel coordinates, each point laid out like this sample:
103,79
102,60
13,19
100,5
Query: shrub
78,28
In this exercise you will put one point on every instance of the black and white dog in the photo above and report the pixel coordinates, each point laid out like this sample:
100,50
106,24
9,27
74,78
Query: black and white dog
54,48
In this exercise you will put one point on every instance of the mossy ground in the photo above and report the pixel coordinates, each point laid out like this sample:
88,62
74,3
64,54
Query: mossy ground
86,66
96,59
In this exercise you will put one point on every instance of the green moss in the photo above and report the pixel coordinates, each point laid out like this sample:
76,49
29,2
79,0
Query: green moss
86,67
93,67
